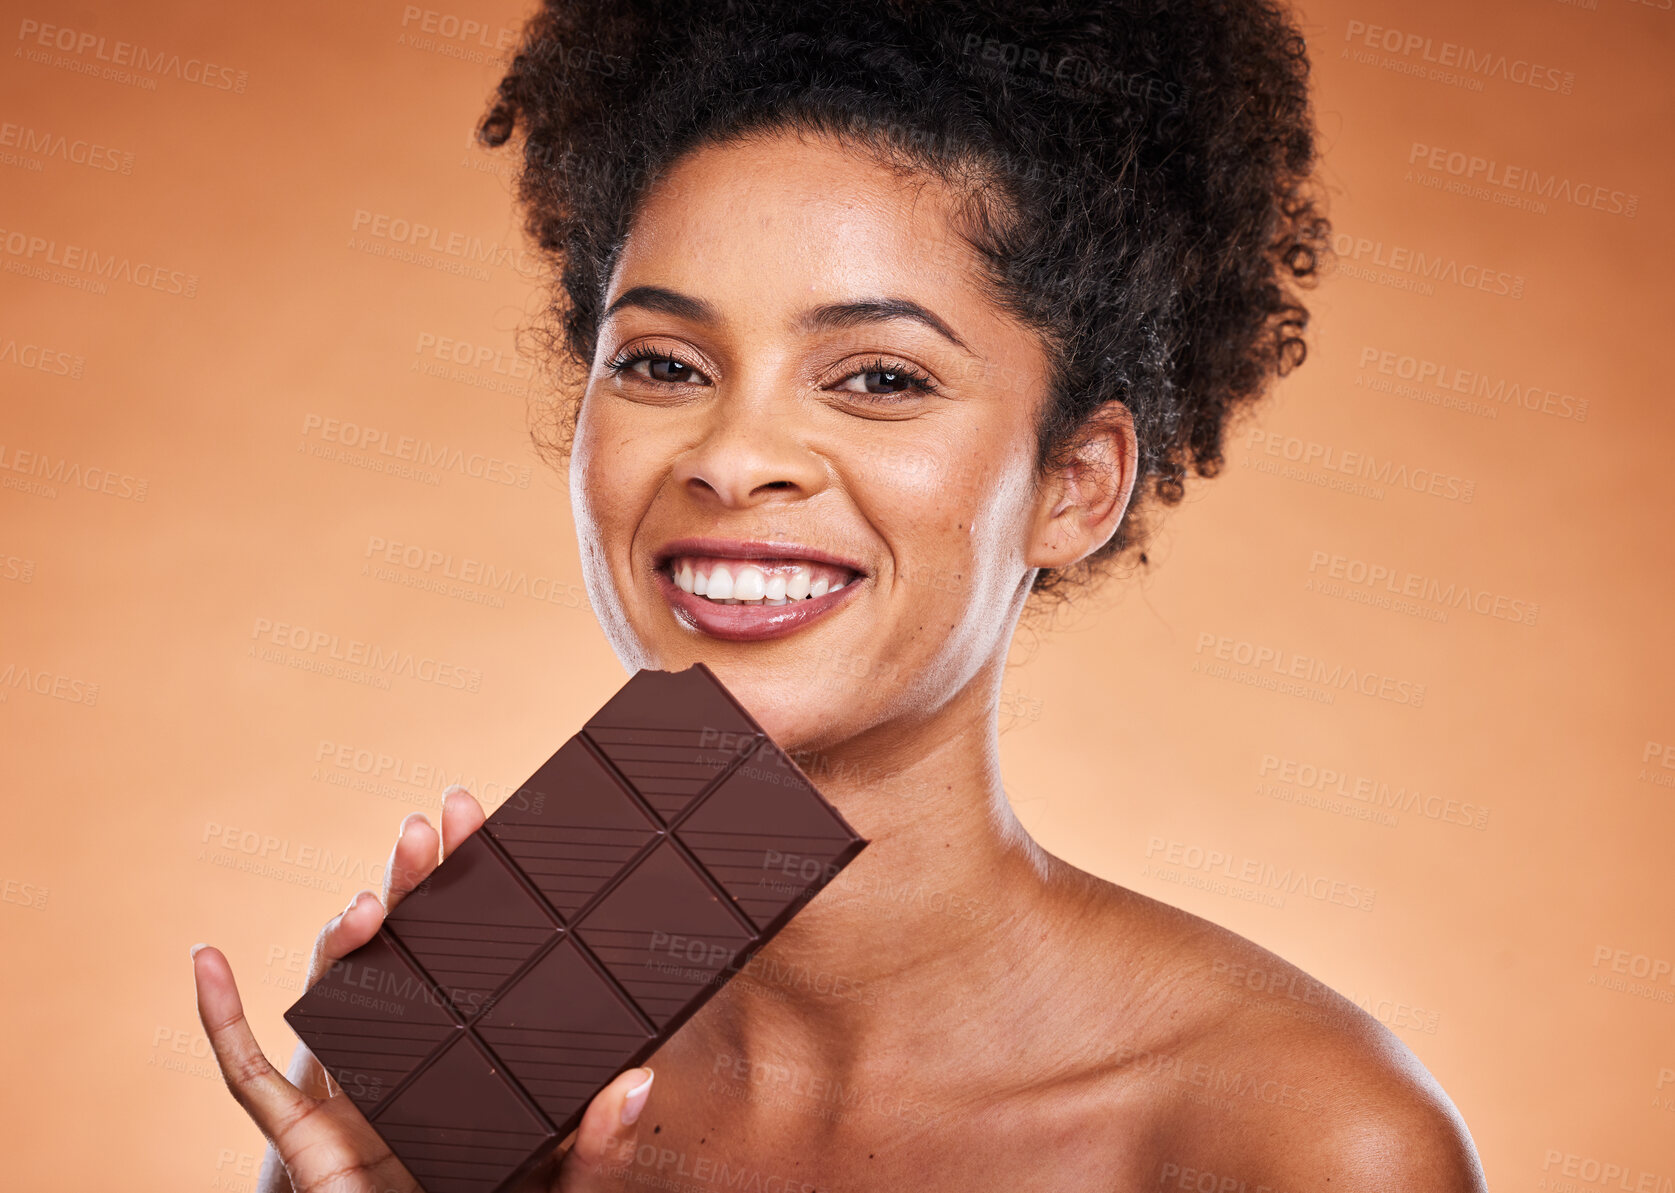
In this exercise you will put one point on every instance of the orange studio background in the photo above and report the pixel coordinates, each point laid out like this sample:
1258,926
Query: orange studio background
202,489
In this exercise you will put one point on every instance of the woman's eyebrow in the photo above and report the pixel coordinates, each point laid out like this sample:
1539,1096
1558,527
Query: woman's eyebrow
876,310
664,301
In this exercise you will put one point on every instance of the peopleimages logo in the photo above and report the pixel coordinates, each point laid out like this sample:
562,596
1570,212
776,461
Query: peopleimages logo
475,356
60,470
78,152
464,246
45,682
1361,465
1455,56
1472,168
1495,390
1364,789
1609,1174
52,361
419,454
1452,594
31,250
1417,270
326,651
1290,880
34,33
451,27
428,567
1288,664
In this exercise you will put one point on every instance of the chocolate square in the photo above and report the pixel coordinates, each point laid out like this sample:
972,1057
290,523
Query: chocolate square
664,933
371,1019
460,1125
472,924
572,827
563,1030
764,839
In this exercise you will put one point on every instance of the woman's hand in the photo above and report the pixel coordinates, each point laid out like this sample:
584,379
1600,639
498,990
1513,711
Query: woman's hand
318,1141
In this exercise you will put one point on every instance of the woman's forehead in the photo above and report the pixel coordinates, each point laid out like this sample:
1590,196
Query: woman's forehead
798,202
791,223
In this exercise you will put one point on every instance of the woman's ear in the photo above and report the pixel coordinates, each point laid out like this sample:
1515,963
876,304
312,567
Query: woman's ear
1083,499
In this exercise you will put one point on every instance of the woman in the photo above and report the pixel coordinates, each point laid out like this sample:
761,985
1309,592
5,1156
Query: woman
884,318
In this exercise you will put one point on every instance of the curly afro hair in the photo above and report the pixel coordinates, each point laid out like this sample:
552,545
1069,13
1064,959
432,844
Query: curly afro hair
1140,174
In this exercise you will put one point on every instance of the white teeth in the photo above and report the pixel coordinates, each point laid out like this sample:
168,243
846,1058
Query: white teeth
750,584
741,583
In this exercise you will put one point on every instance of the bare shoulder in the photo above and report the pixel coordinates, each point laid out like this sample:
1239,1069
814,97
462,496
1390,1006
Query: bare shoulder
1268,1081
1380,1121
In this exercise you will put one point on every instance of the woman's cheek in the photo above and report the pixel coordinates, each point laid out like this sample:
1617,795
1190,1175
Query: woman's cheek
912,469
601,476
924,499
988,500
609,463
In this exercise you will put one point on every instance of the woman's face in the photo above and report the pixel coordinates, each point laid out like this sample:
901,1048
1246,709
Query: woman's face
803,408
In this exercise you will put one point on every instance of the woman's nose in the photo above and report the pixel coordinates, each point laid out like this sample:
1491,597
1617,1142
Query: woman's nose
751,453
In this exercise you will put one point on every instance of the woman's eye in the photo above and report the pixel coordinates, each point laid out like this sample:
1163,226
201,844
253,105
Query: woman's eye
883,381
663,368
652,365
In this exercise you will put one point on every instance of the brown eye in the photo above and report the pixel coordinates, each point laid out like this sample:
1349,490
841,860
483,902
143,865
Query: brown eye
882,378
886,382
650,364
664,368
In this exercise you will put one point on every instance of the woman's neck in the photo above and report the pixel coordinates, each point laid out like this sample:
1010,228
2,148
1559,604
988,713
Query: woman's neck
944,910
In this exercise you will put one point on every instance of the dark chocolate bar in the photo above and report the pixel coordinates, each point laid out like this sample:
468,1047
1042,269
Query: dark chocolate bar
601,905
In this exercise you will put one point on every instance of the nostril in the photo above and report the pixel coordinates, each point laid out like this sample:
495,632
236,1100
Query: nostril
741,476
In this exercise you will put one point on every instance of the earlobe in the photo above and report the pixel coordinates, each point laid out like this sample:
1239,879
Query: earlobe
1083,501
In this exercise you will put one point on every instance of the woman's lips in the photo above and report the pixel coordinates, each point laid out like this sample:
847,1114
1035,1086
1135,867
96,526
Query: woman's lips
747,600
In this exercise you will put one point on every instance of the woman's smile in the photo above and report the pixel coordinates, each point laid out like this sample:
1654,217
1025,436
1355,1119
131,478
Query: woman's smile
746,591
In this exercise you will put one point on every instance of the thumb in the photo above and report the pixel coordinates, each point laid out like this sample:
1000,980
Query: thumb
605,1140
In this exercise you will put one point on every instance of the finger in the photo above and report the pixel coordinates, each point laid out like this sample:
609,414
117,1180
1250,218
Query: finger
273,1103
605,1139
462,815
345,932
307,1073
412,858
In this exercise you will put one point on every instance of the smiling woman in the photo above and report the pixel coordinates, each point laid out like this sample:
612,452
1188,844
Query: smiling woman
872,321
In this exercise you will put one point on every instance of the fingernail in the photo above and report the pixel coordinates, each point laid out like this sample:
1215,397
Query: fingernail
196,947
409,819
456,789
356,898
636,1100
